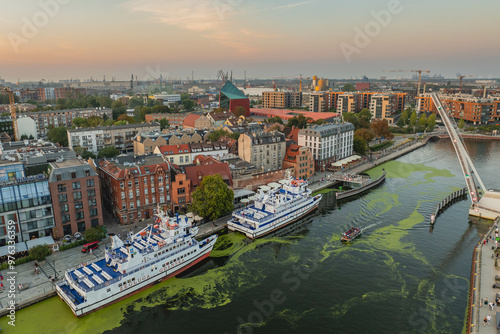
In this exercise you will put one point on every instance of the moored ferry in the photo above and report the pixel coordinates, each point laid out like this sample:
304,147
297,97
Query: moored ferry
154,254
274,209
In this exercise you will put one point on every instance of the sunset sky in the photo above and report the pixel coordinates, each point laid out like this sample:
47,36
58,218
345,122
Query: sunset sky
92,38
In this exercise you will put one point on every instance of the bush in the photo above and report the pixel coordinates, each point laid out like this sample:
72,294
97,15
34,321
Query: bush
39,252
379,147
72,245
94,234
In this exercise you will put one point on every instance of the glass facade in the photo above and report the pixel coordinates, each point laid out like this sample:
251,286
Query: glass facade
23,196
11,172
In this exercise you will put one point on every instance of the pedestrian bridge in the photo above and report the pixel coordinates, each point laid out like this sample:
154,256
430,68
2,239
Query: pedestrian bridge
485,203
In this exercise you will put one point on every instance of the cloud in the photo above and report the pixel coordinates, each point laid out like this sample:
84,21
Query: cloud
292,5
213,18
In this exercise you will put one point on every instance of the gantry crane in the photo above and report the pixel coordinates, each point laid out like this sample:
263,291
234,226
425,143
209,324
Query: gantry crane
460,76
416,71
12,111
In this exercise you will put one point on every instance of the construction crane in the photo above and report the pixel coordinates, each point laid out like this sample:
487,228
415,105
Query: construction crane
300,78
12,111
460,76
416,71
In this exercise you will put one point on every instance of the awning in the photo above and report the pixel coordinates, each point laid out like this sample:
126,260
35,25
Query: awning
245,200
274,185
242,193
40,241
20,247
265,188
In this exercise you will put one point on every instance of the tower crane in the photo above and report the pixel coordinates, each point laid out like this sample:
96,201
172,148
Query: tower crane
416,71
460,76
12,111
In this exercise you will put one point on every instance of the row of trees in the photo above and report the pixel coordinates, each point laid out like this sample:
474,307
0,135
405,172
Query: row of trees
410,119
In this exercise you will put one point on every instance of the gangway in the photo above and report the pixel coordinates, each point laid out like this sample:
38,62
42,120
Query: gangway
485,204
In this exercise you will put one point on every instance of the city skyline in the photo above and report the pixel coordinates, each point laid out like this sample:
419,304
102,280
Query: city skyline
62,39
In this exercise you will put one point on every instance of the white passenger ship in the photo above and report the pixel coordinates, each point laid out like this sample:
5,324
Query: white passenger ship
274,209
153,254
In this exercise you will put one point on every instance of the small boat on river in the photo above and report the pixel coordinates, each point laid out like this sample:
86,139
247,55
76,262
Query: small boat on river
351,234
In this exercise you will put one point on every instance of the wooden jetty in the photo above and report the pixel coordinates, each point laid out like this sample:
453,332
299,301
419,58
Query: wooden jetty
446,202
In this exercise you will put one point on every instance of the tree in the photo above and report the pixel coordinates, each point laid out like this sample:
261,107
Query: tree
240,111
120,123
94,121
58,135
400,122
40,252
359,145
184,96
118,108
164,123
431,122
366,134
212,199
94,234
405,116
108,122
413,120
380,128
24,137
365,114
348,88
126,118
145,111
135,101
275,119
275,127
107,152
80,122
461,124
217,134
160,109
300,121
422,122
351,118
188,104
84,153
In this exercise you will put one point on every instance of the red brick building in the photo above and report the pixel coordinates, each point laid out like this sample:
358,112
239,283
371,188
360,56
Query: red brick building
301,159
181,192
76,197
132,186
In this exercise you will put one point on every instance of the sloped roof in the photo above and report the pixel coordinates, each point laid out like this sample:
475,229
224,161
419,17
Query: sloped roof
196,173
190,119
292,152
294,135
232,92
175,149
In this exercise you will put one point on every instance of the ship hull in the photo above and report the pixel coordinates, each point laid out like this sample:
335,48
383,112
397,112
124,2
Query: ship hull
258,233
143,285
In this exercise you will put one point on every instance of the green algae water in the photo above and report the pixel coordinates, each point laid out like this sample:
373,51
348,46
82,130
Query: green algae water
401,276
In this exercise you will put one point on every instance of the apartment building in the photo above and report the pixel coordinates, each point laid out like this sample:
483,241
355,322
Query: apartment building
133,186
174,120
331,100
175,154
348,102
146,143
383,106
328,143
301,159
76,197
26,201
317,102
56,118
281,100
265,150
119,136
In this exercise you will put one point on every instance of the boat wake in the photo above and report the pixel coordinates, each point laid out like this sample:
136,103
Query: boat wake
371,226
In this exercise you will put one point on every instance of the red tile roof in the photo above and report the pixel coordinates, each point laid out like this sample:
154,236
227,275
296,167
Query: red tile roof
190,119
294,135
292,152
175,149
196,173
287,113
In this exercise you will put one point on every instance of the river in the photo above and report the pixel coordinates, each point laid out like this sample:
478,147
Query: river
401,276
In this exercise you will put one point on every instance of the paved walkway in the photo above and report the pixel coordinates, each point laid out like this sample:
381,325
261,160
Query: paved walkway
487,273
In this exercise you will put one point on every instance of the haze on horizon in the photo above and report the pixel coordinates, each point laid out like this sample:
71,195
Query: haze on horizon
117,38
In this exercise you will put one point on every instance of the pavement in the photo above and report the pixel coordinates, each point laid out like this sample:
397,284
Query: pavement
489,267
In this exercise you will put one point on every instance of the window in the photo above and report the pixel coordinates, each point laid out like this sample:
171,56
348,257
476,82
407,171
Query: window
137,193
90,183
93,212
171,160
121,185
61,188
136,182
80,215
146,179
91,193
94,222
131,216
81,227
181,159
138,203
130,194
77,195
63,198
147,201
130,184
181,191
32,225
64,208
131,205
123,206
92,202
76,185
87,172
65,219
67,229
186,158
73,175
79,205
182,199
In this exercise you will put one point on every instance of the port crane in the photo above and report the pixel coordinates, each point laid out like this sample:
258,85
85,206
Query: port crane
415,71
460,76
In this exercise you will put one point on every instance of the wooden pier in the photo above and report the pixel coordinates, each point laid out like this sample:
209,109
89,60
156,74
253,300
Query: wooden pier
446,202
365,187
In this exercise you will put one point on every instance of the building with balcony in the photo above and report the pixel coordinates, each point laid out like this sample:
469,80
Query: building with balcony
120,137
328,142
383,106
317,102
133,186
281,100
264,150
76,197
